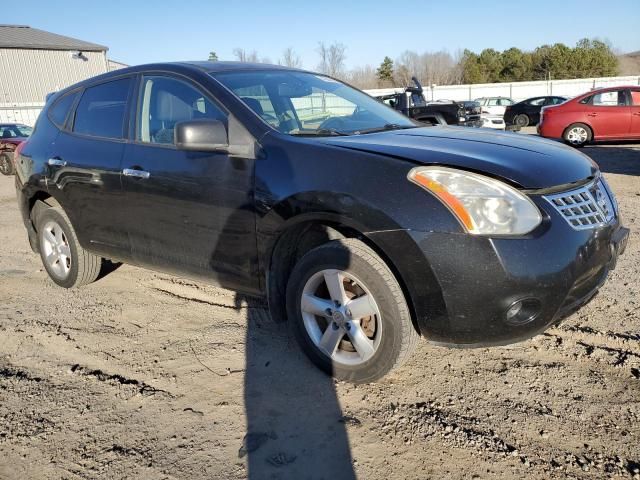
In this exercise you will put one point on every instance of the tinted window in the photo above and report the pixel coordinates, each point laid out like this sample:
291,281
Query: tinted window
101,111
58,112
537,102
166,101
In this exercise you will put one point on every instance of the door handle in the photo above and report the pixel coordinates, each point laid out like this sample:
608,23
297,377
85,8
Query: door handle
56,162
130,172
592,114
637,113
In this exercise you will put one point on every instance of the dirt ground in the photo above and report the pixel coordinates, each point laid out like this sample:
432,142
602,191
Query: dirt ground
145,375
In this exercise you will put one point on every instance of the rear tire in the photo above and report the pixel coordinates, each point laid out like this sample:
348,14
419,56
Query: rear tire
522,120
360,341
6,165
577,135
67,263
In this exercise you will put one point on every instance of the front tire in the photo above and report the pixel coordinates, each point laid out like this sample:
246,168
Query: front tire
67,263
577,135
348,312
6,165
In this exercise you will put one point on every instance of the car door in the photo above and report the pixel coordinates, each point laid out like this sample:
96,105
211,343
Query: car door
609,114
634,93
189,212
84,166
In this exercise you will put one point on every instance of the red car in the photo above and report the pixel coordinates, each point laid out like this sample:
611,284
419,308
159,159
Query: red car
602,114
11,135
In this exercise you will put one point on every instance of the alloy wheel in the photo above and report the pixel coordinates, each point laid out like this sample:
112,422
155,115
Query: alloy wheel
341,317
57,253
577,135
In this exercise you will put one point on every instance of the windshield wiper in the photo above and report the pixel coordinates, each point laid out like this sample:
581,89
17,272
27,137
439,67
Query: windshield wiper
323,132
384,128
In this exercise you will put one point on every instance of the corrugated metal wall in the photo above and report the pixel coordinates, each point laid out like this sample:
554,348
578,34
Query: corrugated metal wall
26,76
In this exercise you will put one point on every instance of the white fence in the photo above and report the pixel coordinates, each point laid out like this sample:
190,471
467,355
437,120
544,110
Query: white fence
522,90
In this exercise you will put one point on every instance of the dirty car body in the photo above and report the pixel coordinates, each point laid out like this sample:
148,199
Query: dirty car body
243,214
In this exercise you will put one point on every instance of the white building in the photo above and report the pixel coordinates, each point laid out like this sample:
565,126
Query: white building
34,63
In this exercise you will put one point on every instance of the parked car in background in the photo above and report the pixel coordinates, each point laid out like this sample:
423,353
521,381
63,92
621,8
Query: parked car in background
472,112
362,227
410,101
494,105
603,114
495,122
11,135
527,112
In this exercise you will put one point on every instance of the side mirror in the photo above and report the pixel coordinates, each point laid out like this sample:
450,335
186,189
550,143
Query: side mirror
205,135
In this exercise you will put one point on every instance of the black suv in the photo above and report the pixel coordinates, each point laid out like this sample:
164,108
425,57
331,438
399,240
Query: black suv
362,228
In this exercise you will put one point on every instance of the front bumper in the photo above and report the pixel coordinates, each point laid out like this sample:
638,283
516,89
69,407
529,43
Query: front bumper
479,278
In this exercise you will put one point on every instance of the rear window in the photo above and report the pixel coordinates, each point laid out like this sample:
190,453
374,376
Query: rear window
59,111
101,111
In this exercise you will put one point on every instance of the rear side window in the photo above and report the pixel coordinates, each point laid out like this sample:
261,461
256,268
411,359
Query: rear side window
101,111
537,102
635,97
60,109
609,99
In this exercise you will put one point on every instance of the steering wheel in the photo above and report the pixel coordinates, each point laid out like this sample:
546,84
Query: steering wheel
332,123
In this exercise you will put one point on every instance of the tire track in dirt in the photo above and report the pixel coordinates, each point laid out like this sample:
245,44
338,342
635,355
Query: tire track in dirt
424,421
117,380
619,350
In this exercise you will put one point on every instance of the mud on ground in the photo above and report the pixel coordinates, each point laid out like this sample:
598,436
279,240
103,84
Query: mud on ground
146,375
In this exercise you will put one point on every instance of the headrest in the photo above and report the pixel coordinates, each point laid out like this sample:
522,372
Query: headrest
253,104
172,108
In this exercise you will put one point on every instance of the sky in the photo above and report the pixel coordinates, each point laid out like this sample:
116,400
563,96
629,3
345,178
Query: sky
148,31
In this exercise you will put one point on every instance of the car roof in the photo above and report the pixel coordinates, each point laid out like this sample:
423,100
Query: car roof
198,66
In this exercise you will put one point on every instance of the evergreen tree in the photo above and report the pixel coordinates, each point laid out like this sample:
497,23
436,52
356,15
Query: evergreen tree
385,71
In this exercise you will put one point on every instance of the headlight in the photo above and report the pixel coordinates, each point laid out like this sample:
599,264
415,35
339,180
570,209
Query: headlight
483,205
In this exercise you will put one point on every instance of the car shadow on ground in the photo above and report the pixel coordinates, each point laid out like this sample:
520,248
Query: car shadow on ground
295,426
619,158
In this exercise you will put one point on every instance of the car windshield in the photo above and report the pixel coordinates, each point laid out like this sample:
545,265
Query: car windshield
306,104
14,131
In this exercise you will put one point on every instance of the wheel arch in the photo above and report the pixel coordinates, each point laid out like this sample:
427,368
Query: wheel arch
300,235
591,131
32,205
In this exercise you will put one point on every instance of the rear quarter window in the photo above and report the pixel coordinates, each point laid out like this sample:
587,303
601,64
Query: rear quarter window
60,109
102,109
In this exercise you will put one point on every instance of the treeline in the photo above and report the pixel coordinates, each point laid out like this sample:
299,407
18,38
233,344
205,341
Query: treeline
589,58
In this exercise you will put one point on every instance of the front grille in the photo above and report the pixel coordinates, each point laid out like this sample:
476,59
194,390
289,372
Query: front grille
586,207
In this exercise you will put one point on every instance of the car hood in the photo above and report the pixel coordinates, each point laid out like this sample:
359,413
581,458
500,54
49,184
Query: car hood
528,161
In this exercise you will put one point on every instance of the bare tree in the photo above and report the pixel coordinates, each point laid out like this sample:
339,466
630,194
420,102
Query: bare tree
363,77
332,59
243,56
290,58
439,67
